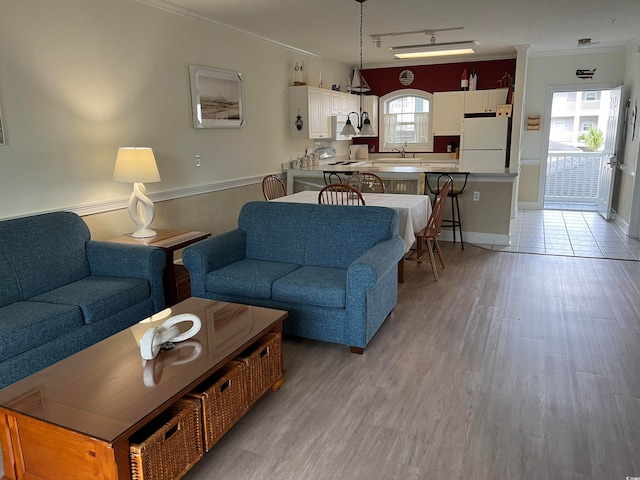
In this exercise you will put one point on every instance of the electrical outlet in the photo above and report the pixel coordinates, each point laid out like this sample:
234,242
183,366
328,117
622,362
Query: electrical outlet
197,160
476,196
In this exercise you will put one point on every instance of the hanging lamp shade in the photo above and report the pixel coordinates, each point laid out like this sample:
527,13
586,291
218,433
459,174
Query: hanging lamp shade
367,128
348,129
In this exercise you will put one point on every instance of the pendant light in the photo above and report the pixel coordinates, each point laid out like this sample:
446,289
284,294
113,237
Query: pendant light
364,124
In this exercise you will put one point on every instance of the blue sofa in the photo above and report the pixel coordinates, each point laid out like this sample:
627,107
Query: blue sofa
333,268
61,292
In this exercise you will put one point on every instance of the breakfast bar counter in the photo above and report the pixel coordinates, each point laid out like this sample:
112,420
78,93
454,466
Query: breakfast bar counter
402,175
486,220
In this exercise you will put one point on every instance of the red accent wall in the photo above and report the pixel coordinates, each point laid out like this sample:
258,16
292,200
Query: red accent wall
436,78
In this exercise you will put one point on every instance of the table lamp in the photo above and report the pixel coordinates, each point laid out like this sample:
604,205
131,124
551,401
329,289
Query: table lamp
137,165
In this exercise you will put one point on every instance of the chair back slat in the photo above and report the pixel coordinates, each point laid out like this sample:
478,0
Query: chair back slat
434,225
340,194
273,187
367,182
433,180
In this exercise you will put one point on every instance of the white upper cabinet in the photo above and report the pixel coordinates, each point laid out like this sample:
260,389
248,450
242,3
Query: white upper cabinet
475,101
313,105
339,103
497,97
484,101
448,112
343,103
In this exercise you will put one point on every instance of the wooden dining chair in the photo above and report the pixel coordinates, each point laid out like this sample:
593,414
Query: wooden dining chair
340,194
427,239
367,182
273,187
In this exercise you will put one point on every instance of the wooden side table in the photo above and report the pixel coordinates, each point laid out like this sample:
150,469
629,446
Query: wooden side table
175,276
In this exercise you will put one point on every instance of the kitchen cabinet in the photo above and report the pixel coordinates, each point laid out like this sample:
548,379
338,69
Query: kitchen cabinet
448,112
344,103
484,101
313,105
339,103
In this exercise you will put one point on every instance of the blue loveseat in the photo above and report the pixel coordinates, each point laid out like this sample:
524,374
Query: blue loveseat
61,292
333,268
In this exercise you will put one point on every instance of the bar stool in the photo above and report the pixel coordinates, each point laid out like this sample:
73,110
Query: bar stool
432,183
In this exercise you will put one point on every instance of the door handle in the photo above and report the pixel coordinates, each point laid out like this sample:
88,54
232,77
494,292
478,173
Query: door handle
612,161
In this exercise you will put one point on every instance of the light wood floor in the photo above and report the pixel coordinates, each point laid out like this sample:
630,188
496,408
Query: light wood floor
512,366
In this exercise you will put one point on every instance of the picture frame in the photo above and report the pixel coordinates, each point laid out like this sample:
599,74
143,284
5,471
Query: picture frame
2,139
216,97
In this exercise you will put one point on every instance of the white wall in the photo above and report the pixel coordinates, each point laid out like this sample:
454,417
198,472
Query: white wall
553,71
544,72
627,192
80,78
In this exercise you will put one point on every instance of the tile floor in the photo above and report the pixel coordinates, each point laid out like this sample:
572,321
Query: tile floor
569,233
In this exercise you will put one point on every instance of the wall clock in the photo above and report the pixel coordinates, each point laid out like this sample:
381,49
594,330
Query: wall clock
406,77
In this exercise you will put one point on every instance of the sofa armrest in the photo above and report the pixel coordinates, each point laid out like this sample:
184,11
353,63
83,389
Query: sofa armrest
211,254
109,259
365,271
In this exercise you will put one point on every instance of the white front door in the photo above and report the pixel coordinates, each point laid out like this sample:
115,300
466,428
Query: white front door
609,156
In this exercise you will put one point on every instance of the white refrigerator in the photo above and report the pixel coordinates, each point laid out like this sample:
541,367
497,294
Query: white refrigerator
483,144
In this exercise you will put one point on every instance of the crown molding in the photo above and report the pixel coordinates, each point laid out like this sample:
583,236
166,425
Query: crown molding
576,51
195,16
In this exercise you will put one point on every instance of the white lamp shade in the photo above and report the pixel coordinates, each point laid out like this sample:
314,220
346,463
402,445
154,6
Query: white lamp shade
136,165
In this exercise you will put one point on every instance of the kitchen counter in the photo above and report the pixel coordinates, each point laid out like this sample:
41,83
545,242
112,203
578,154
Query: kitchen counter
485,221
410,170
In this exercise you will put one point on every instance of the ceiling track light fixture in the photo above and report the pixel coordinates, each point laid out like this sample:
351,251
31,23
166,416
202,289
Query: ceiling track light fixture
434,49
376,38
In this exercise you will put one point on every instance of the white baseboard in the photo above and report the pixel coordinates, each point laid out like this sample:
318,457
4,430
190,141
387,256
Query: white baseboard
618,220
528,206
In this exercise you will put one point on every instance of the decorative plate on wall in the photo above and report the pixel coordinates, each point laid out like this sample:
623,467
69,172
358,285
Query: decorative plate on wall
406,77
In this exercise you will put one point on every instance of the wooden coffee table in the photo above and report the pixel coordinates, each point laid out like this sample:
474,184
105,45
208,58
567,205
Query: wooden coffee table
73,420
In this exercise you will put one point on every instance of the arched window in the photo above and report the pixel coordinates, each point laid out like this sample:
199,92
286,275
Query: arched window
406,121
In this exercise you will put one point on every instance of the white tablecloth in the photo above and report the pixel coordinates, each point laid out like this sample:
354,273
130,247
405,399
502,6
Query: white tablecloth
413,210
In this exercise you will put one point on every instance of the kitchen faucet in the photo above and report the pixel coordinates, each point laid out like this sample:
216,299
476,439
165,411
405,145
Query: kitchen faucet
401,150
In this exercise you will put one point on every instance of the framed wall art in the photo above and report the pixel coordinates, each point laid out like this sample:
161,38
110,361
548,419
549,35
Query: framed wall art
216,97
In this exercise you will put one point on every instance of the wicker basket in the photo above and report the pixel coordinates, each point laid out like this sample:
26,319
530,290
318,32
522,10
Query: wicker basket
224,399
170,445
263,365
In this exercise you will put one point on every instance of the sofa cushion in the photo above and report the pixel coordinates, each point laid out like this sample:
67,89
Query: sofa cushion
46,251
275,231
337,235
9,288
319,286
99,297
26,325
248,277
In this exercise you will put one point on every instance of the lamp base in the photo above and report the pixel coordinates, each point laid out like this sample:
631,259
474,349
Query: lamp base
144,233
141,211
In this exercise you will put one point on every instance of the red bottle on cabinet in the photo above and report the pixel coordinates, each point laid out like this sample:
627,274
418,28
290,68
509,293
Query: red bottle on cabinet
464,80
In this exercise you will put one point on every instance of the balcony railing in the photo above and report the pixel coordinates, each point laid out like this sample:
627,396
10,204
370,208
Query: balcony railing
572,177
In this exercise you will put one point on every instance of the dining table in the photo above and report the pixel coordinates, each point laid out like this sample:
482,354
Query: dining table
413,213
